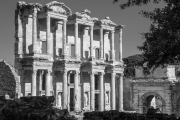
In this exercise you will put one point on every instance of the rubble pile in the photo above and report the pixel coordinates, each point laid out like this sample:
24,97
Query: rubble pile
32,108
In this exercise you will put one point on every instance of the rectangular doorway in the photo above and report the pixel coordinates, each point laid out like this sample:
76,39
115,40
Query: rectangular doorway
71,104
96,101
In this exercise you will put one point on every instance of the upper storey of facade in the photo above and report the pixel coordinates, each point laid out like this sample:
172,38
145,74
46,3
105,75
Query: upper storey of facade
52,32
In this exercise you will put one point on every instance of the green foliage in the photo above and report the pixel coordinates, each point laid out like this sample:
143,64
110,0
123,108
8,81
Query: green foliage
162,42
131,62
33,108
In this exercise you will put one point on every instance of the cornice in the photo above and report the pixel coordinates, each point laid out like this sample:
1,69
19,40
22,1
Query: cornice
84,15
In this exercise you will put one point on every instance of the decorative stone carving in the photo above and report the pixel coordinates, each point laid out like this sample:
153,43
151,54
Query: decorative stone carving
151,82
84,15
106,21
58,7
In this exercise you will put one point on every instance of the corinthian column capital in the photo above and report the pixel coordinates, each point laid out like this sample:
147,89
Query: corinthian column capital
34,72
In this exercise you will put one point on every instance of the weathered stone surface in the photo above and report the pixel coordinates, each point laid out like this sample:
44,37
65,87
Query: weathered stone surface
56,50
9,80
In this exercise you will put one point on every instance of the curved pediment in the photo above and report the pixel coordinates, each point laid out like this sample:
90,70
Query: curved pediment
58,7
84,15
106,21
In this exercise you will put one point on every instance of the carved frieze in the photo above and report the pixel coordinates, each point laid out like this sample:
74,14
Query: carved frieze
151,82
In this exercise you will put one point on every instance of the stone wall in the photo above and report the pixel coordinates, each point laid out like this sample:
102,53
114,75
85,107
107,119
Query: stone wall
9,80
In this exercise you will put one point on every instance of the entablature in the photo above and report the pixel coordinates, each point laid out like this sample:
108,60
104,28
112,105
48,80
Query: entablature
52,15
151,82
82,18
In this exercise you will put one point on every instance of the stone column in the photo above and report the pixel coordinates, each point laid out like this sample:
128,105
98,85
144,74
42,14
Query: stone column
65,92
101,97
113,91
33,84
121,92
112,46
120,45
48,83
92,96
48,30
101,43
76,91
40,81
34,30
64,38
91,42
76,39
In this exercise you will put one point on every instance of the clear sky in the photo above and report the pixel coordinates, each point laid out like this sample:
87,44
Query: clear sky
135,23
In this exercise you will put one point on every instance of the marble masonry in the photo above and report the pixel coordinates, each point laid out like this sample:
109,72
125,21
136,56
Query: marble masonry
68,55
160,89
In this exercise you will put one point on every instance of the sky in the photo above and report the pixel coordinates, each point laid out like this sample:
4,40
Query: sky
131,37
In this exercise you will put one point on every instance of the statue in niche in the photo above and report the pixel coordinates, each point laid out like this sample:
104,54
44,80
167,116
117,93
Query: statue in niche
86,99
107,98
59,100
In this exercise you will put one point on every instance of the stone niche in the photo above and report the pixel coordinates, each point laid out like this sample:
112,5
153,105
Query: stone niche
86,98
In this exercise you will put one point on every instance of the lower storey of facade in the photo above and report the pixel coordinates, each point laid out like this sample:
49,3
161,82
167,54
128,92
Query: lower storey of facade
75,90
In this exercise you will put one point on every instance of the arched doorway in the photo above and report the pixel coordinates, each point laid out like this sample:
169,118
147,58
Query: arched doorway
150,99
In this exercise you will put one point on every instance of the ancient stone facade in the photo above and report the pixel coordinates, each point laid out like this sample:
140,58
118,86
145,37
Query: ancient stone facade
161,85
9,80
70,56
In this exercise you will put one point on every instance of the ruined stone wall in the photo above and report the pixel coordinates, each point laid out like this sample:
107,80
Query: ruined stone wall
9,80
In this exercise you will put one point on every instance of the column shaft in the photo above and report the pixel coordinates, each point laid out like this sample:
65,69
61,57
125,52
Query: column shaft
40,82
101,43
120,45
91,42
64,38
121,93
65,100
112,46
33,84
113,91
76,91
92,96
76,39
48,84
101,97
48,34
34,31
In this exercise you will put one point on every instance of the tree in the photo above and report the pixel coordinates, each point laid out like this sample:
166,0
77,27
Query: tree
162,41
131,62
